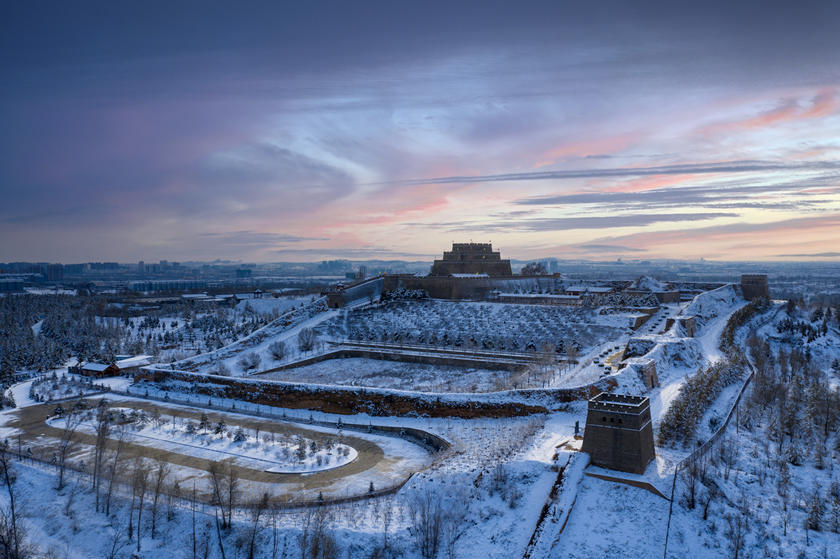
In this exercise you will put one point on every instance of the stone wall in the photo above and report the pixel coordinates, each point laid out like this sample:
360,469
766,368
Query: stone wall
376,402
470,288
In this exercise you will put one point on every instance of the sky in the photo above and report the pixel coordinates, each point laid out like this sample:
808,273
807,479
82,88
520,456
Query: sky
304,131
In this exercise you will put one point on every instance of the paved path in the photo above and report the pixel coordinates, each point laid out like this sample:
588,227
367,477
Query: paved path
44,439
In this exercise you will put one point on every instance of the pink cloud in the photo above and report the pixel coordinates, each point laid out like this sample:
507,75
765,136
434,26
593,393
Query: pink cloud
600,146
734,241
823,104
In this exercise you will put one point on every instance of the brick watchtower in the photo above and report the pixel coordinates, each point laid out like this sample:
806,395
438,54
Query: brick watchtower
619,434
754,286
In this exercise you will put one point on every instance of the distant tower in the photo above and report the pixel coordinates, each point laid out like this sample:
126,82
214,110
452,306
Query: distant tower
754,286
471,258
619,433
141,267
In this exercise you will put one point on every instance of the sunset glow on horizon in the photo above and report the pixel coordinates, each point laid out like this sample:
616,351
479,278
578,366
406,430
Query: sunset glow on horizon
658,133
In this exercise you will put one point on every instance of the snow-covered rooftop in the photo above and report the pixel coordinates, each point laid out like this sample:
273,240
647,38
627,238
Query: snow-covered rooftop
136,361
545,295
95,367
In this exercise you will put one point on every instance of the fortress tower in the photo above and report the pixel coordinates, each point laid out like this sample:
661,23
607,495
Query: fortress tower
619,434
471,258
754,286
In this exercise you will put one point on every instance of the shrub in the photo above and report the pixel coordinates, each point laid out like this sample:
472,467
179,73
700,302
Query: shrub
277,350
250,360
306,339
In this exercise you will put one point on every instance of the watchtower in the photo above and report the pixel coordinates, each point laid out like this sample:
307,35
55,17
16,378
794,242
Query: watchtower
619,433
754,286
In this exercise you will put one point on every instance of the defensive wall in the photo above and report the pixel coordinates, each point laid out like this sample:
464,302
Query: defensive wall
431,356
369,289
376,402
443,287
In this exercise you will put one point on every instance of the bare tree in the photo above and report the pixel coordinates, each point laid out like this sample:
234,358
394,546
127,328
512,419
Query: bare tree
103,429
72,419
10,535
193,507
256,512
427,515
315,539
572,352
224,479
161,473
122,433
690,475
277,349
139,484
250,360
118,542
736,532
219,536
306,339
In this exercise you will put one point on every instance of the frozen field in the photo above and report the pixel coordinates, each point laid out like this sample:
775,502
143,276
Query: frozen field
489,326
358,371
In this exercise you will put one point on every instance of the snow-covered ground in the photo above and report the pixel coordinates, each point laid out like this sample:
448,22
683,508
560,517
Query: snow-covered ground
358,371
494,481
276,454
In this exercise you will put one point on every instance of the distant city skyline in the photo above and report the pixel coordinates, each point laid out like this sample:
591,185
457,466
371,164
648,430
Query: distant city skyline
304,132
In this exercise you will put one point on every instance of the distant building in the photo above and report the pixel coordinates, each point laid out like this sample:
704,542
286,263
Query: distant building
589,289
243,273
98,370
141,267
540,299
754,286
619,433
9,285
471,259
52,272
167,285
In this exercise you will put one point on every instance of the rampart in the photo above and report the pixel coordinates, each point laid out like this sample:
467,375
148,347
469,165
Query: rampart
375,402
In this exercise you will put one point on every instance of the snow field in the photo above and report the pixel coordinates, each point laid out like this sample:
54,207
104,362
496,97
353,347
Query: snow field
276,453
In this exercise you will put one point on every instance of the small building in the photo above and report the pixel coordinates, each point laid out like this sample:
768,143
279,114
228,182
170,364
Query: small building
132,365
98,370
619,432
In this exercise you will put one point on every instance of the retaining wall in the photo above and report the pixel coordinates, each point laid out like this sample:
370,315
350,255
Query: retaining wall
376,402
